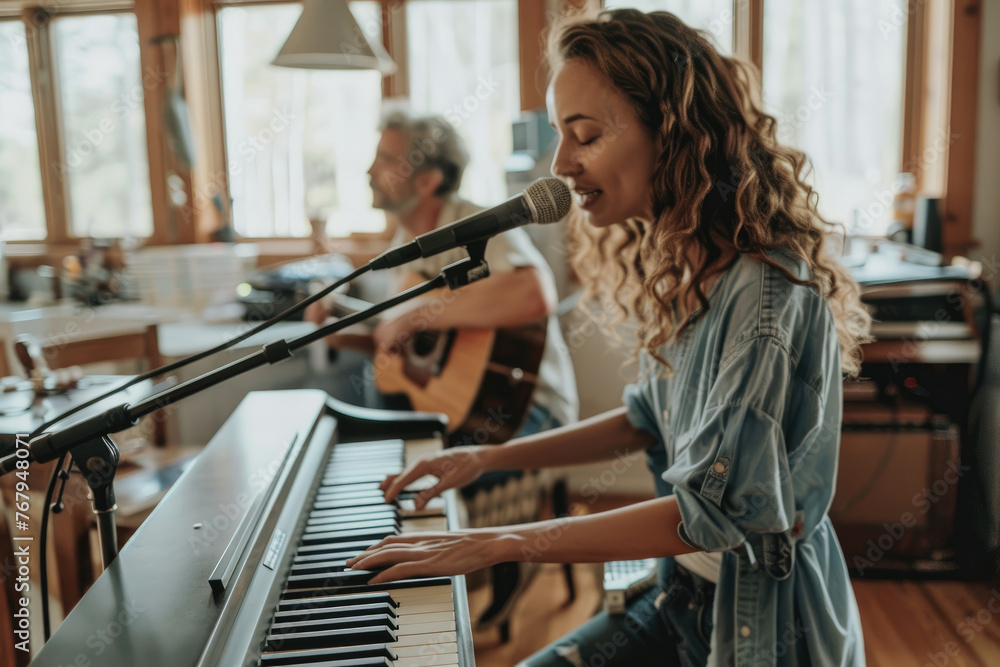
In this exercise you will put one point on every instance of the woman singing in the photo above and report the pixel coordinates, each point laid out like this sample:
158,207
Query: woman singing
699,225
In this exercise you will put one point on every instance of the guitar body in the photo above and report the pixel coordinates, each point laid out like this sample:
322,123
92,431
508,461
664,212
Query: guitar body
482,379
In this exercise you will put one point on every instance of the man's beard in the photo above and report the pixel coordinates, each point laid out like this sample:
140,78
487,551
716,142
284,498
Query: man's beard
383,201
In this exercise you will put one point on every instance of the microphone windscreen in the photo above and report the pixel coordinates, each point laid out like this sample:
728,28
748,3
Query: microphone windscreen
549,198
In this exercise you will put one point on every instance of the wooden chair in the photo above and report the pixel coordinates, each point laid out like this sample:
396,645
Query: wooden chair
71,529
141,346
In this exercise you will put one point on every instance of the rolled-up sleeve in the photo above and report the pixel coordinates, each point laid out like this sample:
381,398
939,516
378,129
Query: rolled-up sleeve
639,400
730,472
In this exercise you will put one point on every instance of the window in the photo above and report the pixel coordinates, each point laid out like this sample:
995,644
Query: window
103,164
833,76
298,142
22,210
713,16
463,65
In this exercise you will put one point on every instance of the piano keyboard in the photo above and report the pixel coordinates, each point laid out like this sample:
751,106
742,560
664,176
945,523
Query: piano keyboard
242,563
312,623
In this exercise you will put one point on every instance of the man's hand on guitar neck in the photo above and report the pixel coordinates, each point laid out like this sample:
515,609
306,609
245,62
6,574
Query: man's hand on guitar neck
318,313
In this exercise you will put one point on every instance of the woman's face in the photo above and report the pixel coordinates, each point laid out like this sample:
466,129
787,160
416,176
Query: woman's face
606,155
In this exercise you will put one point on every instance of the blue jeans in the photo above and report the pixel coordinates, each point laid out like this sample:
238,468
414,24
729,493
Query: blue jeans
670,624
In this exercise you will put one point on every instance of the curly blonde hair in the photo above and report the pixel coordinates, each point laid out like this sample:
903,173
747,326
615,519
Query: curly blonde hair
721,177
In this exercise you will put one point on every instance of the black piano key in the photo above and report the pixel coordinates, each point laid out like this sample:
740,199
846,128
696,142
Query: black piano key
323,624
371,487
329,602
319,567
348,512
329,639
354,662
340,611
324,655
325,526
351,489
334,554
365,449
340,536
370,517
360,545
359,498
330,580
297,593
361,516
346,464
337,480
367,504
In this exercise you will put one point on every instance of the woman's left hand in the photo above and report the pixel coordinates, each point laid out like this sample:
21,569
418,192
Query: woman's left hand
430,555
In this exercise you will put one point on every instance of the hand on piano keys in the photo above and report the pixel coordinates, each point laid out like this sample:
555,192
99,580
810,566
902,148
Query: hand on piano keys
429,554
453,468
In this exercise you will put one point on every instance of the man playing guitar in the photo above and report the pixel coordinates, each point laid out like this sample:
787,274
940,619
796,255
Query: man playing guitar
415,176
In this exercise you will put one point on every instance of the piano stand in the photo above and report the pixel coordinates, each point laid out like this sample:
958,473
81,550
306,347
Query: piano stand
97,459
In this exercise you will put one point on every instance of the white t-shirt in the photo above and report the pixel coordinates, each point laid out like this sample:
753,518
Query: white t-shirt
556,387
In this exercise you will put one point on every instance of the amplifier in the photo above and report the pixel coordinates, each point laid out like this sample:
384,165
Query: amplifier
897,487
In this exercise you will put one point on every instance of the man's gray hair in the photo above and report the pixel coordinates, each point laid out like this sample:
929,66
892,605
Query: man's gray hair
434,144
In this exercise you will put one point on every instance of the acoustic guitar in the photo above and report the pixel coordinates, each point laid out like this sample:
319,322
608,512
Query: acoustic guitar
482,379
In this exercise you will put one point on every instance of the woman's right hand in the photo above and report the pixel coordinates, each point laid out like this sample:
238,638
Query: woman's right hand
453,467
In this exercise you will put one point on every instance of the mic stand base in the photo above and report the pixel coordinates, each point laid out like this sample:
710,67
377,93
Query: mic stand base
97,459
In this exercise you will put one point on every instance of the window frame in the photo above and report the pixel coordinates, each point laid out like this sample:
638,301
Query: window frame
195,21
44,74
215,98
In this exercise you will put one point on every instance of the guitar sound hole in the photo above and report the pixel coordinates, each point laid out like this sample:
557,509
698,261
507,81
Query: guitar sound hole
424,343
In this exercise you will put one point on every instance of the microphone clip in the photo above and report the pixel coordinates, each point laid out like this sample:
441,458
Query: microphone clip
468,270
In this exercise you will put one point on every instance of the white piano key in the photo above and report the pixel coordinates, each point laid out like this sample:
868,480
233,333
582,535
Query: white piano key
413,644
426,628
443,647
427,660
421,592
418,447
429,617
432,608
418,605
424,524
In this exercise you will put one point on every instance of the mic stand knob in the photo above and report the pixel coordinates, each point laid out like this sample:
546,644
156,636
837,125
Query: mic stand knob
470,269
97,459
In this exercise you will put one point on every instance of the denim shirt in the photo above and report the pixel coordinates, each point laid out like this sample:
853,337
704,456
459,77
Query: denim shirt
748,431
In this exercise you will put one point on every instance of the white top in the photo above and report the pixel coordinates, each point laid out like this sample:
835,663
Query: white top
706,565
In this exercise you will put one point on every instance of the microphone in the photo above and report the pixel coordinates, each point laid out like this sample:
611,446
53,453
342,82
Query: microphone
544,201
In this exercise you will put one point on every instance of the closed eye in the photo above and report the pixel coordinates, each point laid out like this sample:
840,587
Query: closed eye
589,141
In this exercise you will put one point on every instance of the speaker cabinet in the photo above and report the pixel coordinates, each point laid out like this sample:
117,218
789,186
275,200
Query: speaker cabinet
897,487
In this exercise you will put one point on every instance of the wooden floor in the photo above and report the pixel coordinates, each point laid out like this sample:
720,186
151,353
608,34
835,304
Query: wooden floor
941,624
935,624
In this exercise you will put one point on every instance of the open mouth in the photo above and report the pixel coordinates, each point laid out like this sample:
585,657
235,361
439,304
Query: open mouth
587,198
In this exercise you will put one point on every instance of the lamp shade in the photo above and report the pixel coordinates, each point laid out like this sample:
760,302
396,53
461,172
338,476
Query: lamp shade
326,36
